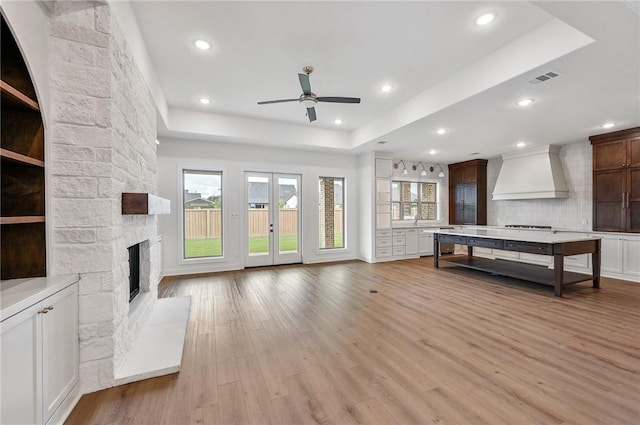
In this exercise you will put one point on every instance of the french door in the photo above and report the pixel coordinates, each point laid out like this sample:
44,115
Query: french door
273,219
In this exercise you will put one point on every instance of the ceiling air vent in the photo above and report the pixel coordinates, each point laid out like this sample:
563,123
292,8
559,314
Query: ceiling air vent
544,77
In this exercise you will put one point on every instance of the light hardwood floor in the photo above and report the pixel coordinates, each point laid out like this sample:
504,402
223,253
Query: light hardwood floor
310,344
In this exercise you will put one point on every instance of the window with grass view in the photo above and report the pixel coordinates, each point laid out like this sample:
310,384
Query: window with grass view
413,201
331,212
202,209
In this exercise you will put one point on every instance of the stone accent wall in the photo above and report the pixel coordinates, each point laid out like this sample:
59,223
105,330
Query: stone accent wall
101,143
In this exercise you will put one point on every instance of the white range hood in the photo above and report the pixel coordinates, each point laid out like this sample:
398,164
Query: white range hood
531,174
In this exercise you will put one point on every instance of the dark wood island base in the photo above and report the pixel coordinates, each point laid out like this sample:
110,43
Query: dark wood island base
557,277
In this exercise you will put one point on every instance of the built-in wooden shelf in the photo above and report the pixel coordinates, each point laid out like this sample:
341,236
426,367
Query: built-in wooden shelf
22,219
144,203
14,96
6,154
23,231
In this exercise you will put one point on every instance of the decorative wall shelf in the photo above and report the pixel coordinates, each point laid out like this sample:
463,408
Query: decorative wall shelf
145,204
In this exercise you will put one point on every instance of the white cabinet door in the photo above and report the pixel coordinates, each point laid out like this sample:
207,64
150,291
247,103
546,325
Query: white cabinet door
411,242
631,256
611,254
383,167
21,368
60,347
425,244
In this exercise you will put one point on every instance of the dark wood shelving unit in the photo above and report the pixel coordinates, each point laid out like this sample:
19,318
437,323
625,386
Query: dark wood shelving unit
22,196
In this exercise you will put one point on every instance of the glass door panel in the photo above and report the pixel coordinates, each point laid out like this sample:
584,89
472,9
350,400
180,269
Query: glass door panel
273,219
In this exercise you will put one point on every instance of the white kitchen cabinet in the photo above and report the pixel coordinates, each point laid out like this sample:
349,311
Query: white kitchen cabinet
383,167
425,243
60,348
543,260
398,242
631,256
611,253
411,241
39,346
383,204
21,349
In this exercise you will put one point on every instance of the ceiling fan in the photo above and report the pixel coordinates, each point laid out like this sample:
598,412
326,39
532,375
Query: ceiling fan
309,99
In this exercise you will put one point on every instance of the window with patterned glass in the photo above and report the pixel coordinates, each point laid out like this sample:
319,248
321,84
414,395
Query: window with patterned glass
414,201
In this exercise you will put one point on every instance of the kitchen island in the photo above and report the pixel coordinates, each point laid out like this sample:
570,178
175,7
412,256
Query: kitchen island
553,244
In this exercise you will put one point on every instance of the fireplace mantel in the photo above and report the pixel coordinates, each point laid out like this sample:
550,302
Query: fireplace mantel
144,203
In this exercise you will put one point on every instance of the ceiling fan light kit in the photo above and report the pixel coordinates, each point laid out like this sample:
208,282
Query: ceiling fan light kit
309,99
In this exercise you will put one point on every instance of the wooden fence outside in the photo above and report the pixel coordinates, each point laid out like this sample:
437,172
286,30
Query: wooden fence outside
205,223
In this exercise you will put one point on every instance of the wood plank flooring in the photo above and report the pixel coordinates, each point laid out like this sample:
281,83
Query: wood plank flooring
311,345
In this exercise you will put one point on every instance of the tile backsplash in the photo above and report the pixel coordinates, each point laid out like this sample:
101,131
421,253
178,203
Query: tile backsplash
574,212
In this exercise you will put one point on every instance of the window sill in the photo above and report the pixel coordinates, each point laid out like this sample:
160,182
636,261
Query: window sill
326,251
202,260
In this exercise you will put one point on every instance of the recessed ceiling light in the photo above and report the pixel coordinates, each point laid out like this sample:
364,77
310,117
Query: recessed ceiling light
521,144
386,88
337,121
441,130
485,19
202,45
205,101
432,152
525,102
608,125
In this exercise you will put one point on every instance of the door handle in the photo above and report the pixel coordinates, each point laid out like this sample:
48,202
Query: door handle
624,200
271,227
628,196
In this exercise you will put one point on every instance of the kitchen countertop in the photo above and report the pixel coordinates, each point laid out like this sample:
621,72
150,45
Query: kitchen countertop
18,294
527,235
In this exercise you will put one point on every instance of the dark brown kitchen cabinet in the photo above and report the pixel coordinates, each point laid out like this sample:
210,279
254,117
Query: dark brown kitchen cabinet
468,192
616,181
22,193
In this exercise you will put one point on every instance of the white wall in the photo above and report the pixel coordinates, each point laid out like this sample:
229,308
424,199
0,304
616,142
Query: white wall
573,213
234,160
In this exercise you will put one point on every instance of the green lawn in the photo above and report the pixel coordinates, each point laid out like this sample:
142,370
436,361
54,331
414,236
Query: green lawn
212,247
202,248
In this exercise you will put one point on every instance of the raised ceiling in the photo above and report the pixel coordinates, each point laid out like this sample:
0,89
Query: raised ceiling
445,72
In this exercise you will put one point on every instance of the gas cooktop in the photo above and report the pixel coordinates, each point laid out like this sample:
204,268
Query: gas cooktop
527,226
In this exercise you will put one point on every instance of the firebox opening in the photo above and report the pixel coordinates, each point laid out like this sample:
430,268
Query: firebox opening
134,271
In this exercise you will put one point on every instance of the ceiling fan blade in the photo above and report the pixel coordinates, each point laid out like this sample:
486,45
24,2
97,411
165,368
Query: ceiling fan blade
304,83
339,99
266,102
311,113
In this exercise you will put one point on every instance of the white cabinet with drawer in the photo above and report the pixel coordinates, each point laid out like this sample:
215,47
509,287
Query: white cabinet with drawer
39,349
398,241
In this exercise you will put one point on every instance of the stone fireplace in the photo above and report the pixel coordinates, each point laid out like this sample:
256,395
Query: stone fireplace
100,142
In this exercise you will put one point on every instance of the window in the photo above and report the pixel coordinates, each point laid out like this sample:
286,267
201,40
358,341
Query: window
331,213
202,212
413,201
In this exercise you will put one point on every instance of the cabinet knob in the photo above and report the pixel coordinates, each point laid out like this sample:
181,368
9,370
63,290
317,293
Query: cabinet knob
43,311
49,308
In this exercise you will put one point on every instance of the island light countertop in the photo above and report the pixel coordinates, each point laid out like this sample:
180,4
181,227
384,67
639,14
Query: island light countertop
517,235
